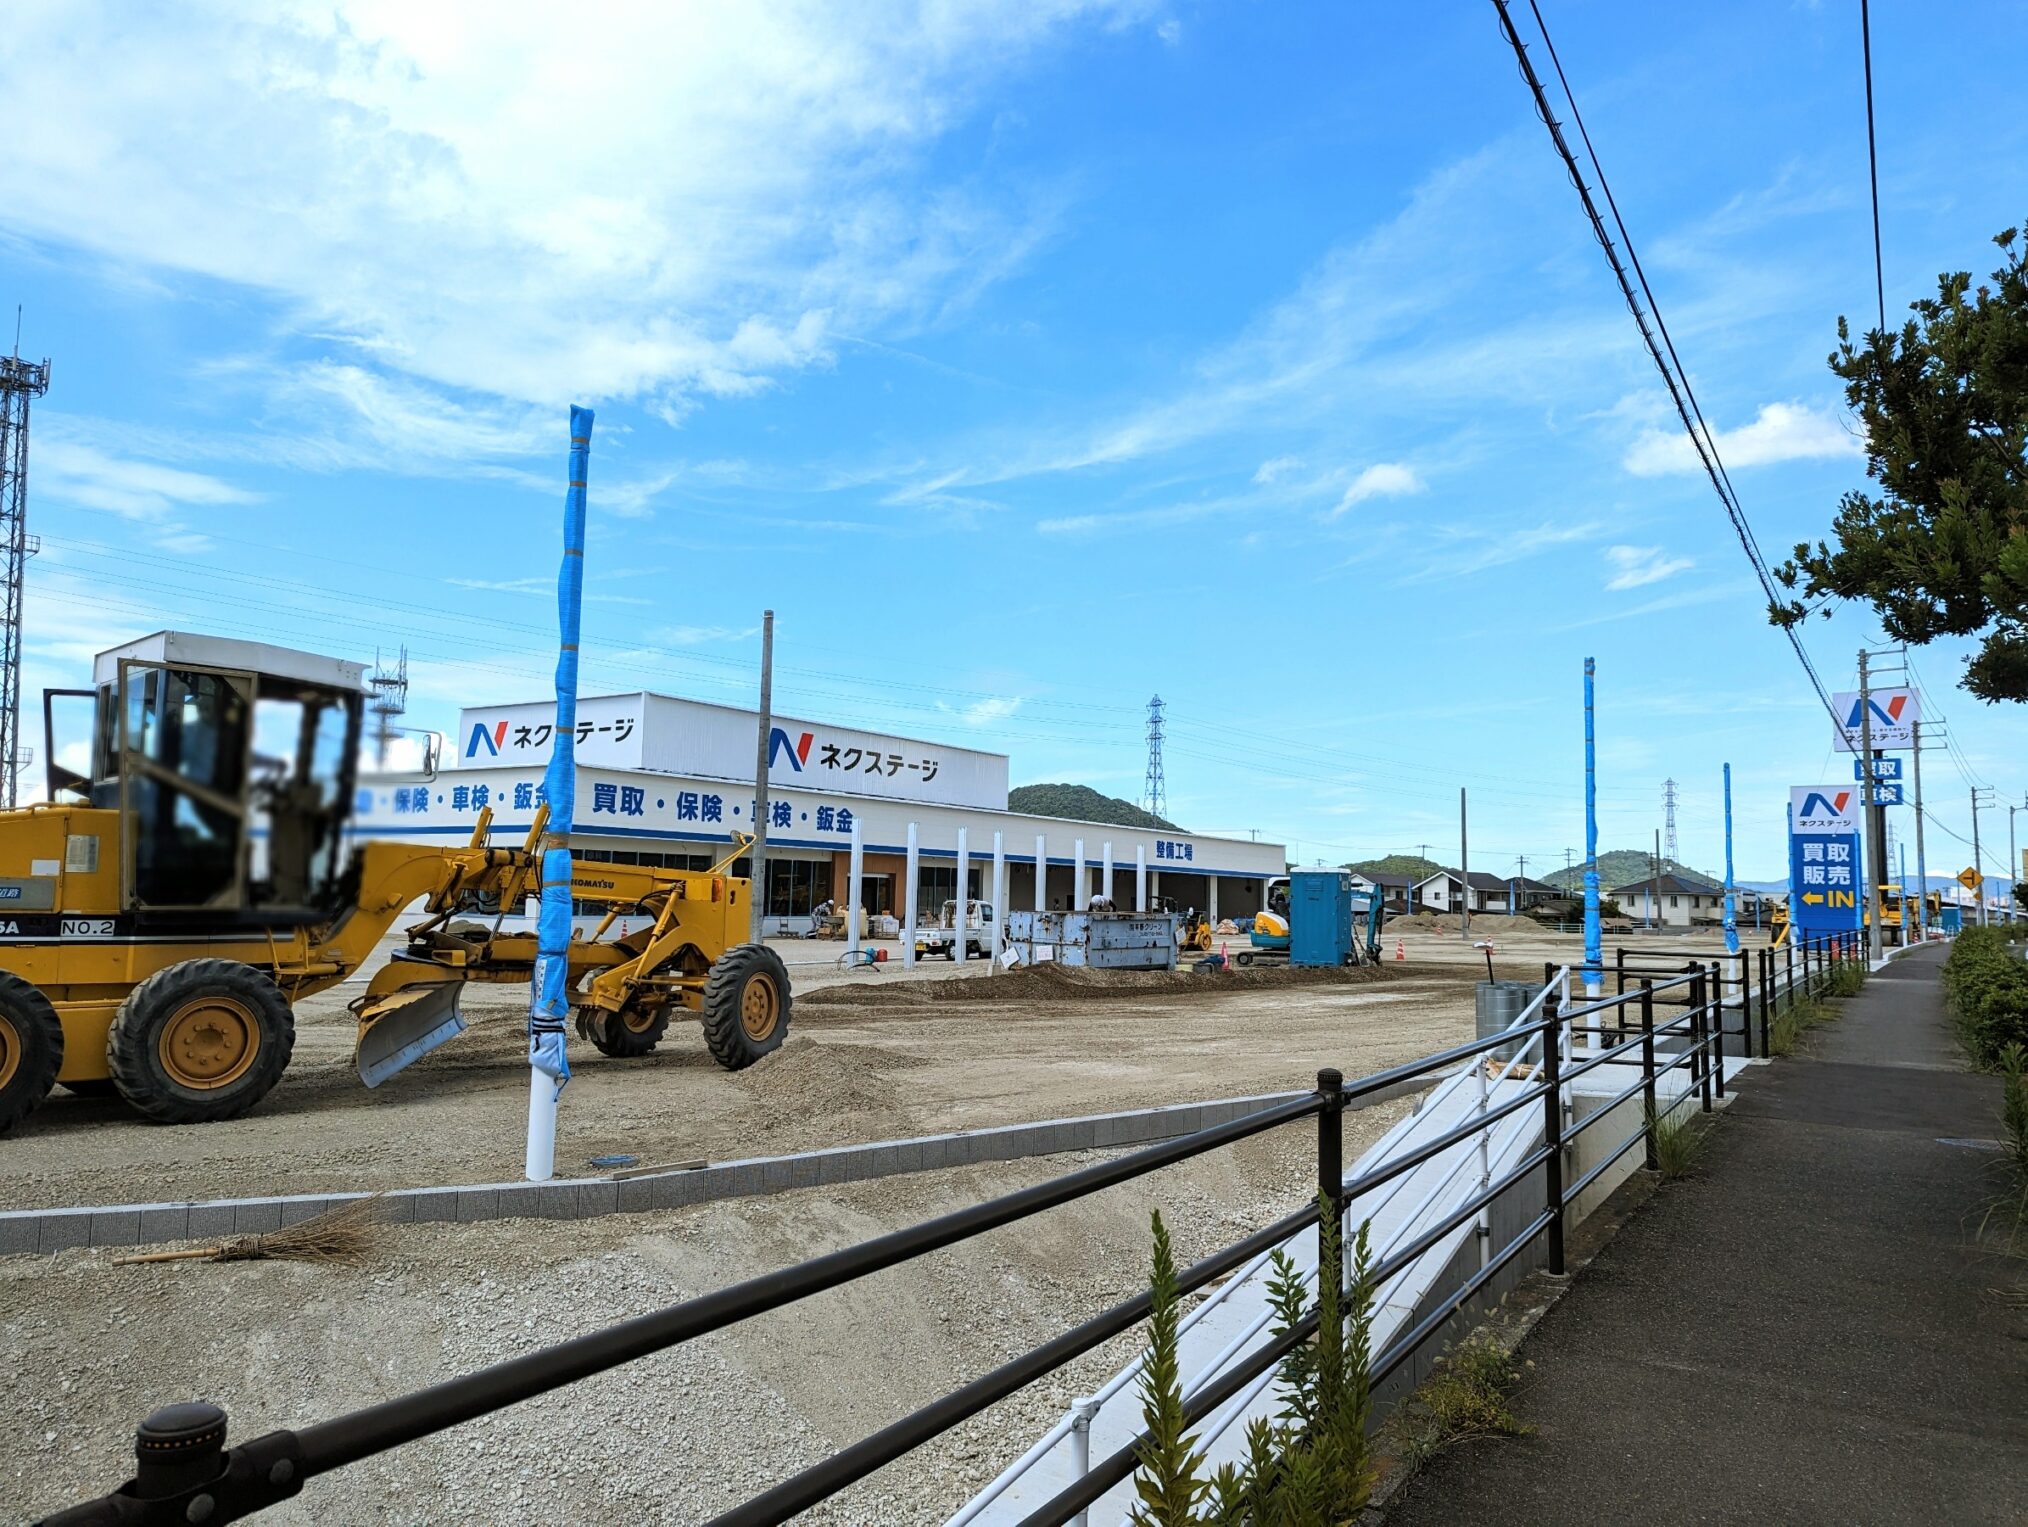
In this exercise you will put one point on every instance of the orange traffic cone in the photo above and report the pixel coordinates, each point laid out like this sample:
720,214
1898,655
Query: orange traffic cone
1400,948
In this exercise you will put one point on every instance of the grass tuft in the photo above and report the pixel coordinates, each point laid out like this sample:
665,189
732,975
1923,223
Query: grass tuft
1466,1397
1679,1142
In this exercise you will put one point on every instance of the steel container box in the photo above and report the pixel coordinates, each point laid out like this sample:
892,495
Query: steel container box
1104,940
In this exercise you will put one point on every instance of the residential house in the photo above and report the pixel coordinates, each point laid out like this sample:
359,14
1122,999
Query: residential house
1397,892
1671,901
1442,892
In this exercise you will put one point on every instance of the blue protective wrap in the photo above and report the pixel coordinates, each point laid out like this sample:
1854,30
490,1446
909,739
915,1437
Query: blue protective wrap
1731,901
1594,952
549,1001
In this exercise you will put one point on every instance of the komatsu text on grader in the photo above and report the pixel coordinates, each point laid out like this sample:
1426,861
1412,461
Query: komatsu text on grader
164,909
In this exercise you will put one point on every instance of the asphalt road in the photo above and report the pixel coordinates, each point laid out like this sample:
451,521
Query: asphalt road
1803,1332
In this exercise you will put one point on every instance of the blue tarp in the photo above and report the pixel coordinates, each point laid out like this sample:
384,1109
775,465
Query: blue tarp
549,1002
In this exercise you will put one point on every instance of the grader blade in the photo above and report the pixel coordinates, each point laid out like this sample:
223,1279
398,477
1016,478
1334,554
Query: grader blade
405,1025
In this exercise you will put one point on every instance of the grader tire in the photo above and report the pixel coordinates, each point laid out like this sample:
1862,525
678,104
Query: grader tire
31,1049
746,1006
625,1036
201,1041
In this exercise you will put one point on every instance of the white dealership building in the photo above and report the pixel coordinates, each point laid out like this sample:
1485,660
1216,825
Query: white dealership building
663,780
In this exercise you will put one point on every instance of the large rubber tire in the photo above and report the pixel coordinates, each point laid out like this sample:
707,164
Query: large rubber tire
31,1049
746,1006
624,1036
201,1041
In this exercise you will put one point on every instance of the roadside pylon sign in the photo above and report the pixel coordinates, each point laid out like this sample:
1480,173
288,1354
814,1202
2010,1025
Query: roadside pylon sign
1825,863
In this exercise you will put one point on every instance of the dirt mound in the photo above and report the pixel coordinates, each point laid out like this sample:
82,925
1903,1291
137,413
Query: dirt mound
1072,983
842,1078
1493,925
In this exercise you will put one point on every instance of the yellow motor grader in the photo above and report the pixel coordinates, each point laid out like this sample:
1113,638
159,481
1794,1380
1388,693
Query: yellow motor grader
162,912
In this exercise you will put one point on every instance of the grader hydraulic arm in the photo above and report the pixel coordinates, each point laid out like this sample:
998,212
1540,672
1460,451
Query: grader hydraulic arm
676,948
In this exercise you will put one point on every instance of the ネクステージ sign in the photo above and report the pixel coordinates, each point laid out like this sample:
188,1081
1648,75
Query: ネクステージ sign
1894,713
1824,808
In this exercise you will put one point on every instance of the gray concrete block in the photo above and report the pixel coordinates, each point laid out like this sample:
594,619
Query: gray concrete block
936,1151
803,1172
20,1231
399,1208
304,1206
255,1216
210,1221
909,1156
595,1198
834,1167
542,1200
775,1175
116,1227
475,1204
433,1206
62,1230
641,1194
163,1222
735,1179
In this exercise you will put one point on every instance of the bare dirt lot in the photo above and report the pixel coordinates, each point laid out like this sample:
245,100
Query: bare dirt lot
870,1057
672,1438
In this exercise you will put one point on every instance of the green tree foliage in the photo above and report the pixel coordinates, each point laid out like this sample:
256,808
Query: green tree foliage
1941,550
1081,803
1397,864
1621,866
1310,1467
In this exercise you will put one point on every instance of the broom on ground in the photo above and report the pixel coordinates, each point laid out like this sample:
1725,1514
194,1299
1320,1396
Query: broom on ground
346,1234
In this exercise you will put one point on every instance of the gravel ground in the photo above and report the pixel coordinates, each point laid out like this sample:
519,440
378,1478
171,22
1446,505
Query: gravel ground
878,1058
672,1438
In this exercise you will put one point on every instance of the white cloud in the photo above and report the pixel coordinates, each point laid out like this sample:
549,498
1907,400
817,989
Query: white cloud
1782,432
1280,466
698,636
78,473
675,202
1386,479
984,712
1635,566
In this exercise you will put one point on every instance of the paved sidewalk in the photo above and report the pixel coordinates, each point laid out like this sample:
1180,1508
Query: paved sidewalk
1801,1332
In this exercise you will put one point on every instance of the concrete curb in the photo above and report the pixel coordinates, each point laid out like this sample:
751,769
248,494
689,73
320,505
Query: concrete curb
41,1231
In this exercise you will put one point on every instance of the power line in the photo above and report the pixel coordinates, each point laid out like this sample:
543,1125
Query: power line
1873,159
1702,438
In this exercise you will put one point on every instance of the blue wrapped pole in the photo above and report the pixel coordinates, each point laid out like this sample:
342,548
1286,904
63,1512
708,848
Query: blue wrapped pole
549,1001
1594,953
1731,901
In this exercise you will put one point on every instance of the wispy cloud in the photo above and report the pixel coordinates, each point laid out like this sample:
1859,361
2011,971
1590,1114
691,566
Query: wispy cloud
1465,550
986,712
72,471
1687,599
1277,467
1781,432
1633,567
1386,479
699,636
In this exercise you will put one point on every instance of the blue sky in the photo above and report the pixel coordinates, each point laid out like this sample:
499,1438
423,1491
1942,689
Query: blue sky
1027,358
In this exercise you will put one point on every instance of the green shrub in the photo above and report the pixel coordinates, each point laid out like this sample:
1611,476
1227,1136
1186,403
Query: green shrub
1986,985
1310,1465
1466,1397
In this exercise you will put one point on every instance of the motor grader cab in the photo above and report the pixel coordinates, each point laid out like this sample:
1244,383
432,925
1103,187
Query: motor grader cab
190,878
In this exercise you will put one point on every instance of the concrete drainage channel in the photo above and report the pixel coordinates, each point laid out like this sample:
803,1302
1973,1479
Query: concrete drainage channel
40,1231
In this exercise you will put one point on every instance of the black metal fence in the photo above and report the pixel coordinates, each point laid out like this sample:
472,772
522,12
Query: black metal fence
186,1474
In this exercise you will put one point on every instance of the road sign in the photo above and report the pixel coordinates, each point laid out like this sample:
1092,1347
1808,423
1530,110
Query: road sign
1883,768
1971,879
1824,881
1895,713
1824,808
1887,794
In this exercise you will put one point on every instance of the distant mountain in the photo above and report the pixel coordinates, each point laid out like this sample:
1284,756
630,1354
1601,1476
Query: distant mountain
1081,803
1397,864
1624,866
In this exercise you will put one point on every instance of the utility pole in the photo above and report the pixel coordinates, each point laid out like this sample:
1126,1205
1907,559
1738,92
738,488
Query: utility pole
20,382
1921,863
1868,789
2013,866
1464,872
757,895
1978,858
1655,883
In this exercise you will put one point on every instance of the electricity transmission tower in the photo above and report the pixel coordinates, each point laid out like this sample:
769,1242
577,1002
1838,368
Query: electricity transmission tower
1155,791
390,699
1669,855
19,382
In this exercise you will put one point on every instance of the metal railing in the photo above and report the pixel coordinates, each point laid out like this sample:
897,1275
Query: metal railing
186,1474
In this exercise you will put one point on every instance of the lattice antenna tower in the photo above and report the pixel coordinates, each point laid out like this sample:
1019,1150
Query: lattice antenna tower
1669,855
390,699
1155,791
20,381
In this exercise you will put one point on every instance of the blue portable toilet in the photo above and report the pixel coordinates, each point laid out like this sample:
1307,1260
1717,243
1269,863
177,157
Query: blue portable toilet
1953,919
1320,917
